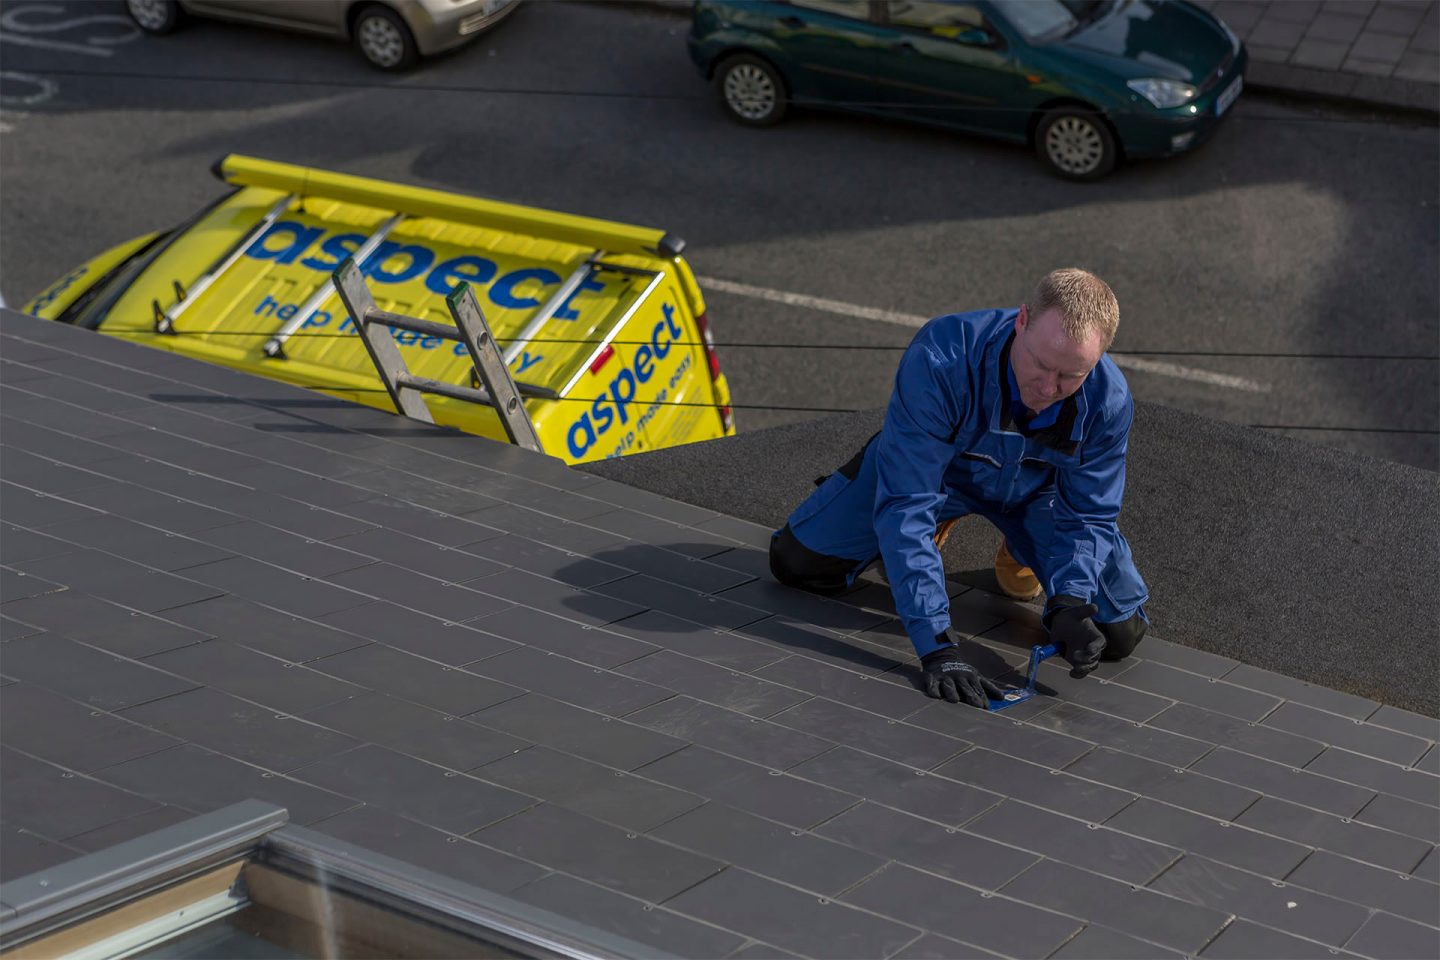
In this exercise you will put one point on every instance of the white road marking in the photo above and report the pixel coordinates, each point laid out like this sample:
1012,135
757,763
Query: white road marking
1158,367
55,45
44,89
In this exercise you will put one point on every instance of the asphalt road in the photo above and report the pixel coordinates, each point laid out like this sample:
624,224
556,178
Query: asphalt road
1304,237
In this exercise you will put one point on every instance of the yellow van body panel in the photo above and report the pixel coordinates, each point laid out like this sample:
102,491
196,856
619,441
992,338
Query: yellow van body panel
623,351
53,300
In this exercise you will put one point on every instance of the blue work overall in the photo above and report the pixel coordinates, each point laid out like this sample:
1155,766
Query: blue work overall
950,447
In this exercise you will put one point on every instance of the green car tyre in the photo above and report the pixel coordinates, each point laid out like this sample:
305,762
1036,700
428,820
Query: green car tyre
383,39
752,91
154,16
1075,144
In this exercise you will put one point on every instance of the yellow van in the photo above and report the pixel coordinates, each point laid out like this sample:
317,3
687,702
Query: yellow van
604,321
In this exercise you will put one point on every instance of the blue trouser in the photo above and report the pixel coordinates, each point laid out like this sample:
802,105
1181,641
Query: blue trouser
835,530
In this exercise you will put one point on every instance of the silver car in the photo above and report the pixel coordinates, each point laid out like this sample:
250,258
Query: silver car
392,35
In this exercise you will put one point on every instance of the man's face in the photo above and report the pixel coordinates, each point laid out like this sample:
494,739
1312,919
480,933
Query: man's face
1048,365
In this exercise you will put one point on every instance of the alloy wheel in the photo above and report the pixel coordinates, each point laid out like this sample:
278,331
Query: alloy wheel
750,92
150,14
1074,145
380,41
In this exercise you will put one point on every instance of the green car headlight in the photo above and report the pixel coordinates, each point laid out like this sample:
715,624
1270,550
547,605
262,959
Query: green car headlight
1163,93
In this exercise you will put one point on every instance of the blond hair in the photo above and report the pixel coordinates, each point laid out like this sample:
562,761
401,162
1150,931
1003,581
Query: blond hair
1086,304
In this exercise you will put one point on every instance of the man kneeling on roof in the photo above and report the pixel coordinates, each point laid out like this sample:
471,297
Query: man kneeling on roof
1016,415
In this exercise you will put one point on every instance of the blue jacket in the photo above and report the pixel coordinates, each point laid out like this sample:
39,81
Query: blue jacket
949,445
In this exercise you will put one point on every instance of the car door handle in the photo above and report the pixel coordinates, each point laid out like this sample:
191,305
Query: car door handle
794,23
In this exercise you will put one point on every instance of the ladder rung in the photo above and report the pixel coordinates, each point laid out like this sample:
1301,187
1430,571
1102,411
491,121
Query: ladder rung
428,328
427,385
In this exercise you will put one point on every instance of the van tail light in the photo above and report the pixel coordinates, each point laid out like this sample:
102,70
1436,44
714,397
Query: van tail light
703,322
602,358
727,417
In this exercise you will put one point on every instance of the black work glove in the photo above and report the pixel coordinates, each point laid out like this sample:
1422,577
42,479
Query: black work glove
949,677
1071,626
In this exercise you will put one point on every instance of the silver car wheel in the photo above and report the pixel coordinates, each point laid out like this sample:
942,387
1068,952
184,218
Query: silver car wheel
750,92
150,14
380,41
1074,145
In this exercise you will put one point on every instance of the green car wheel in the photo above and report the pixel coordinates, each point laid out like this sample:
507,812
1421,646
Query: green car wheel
1075,144
751,90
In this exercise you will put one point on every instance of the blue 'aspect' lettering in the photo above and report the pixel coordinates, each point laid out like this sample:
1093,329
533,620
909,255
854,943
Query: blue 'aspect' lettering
611,405
503,290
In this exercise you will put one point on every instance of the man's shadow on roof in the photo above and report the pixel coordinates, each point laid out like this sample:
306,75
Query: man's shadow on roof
687,609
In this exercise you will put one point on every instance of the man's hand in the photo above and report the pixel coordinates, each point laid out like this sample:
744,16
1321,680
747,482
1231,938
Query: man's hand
1071,626
948,677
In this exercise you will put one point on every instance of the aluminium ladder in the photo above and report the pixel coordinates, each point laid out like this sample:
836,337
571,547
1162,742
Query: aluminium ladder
406,390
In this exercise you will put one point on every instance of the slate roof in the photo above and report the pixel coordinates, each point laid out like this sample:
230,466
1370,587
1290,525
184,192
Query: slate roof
593,699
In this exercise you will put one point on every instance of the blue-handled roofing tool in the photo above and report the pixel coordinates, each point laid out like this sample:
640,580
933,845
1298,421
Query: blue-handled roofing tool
1012,697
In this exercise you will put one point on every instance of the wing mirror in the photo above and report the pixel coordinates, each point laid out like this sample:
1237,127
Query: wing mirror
976,37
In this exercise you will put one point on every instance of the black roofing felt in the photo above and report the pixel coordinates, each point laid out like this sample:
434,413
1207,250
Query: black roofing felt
591,698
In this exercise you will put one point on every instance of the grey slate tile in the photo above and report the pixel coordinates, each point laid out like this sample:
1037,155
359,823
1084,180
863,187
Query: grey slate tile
604,793
935,947
668,932
535,525
676,537
245,731
748,738
121,581
416,731
1402,816
1338,835
1429,868
261,628
85,675
562,726
437,598
747,560
1390,938
578,683
644,501
1101,943
139,543
52,445
430,684
58,804
1182,788
1000,733
769,849
24,468
645,591
1430,763
23,853
1050,789
534,557
907,743
1377,775
1208,694
844,686
255,676
1133,910
755,950
18,585
1132,737
895,785
674,568
792,636
15,630
1242,735
1358,737
21,543
1415,724
393,514
1401,894
1277,905
201,780
1099,692
404,629
749,787
1243,940
811,926
1290,783
1289,688
628,862
61,731
156,509
263,583
578,641
430,849
402,785
1215,839
550,595
1099,849
928,846
996,923
703,643
38,510
776,598
717,685
156,818
300,554
421,556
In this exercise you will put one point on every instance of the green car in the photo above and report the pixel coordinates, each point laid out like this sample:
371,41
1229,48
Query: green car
1084,82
